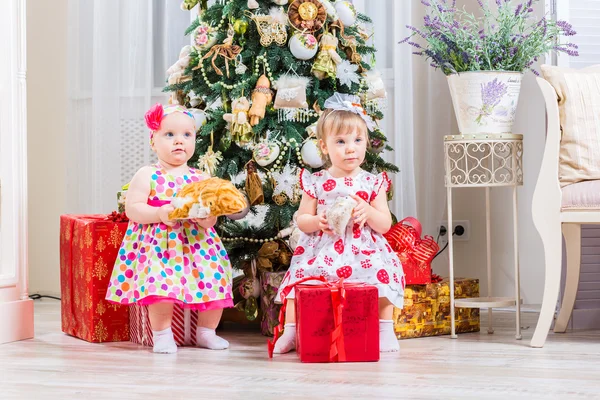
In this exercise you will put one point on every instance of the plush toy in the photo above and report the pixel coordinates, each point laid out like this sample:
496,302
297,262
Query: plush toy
241,130
339,214
175,71
261,97
210,197
327,60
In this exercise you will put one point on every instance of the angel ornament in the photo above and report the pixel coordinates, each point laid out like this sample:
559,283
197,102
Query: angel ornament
327,59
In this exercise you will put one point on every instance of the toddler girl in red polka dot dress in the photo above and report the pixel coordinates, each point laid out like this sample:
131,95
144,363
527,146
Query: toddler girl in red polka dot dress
162,262
361,253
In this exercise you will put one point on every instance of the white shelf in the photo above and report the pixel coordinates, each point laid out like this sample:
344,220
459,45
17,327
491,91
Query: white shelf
486,302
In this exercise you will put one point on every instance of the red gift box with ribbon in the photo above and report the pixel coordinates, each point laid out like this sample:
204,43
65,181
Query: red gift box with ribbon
335,322
415,253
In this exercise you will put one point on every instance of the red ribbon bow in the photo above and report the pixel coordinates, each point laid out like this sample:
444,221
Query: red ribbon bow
406,241
117,217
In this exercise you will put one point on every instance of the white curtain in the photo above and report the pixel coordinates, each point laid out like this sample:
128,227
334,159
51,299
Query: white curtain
118,54
418,115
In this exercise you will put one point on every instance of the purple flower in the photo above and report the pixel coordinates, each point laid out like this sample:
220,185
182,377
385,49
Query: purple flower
491,94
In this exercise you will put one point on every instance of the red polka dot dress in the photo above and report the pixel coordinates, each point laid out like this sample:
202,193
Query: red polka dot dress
360,255
184,264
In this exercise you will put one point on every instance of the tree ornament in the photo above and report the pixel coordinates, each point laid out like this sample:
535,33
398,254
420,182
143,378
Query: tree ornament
253,185
209,161
375,85
303,46
240,26
280,2
262,95
286,181
252,4
307,15
176,71
325,65
331,12
240,68
241,130
270,30
311,153
204,37
290,100
227,50
265,153
346,12
199,116
346,73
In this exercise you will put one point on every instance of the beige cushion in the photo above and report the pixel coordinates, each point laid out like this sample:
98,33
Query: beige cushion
578,94
581,195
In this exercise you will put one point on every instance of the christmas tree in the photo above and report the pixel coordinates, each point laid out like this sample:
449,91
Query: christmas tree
256,76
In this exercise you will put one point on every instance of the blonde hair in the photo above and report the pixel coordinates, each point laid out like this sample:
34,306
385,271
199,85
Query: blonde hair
336,121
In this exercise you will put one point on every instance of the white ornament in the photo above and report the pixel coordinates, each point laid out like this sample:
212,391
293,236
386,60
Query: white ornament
346,12
240,67
286,181
375,85
346,73
331,12
199,117
311,154
265,153
303,46
311,130
195,100
280,2
294,238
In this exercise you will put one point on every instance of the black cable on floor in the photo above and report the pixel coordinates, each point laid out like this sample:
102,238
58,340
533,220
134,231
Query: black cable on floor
37,296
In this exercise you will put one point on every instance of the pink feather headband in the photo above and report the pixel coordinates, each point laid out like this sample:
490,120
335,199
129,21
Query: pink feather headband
157,113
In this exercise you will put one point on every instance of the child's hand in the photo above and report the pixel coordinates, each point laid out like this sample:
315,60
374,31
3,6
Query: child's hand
163,213
362,212
324,225
207,222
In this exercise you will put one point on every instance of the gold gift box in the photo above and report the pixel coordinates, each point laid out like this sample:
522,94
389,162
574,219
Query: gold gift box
426,309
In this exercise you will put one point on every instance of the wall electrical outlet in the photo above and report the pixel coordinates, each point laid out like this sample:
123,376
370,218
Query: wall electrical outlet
466,234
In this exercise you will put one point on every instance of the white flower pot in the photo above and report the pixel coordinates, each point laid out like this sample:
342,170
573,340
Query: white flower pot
486,101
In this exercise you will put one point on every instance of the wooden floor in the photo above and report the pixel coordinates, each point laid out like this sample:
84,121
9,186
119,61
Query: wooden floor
476,366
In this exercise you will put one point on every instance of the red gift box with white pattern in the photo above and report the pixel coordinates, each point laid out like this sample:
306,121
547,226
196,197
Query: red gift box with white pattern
184,324
88,248
357,323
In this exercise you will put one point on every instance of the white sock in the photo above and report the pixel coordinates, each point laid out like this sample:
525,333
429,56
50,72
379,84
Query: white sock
164,341
287,341
207,338
387,338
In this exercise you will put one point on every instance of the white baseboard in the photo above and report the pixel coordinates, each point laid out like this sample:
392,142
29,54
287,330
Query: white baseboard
16,321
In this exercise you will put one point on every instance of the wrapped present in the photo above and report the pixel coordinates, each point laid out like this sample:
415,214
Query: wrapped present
88,248
414,252
269,282
426,309
184,325
337,323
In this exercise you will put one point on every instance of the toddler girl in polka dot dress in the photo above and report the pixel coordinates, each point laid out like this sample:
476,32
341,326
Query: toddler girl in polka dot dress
163,262
360,253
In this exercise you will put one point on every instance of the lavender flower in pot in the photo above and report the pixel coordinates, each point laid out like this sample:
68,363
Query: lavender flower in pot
485,57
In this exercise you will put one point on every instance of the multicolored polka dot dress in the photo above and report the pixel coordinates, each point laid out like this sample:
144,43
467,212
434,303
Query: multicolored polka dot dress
184,264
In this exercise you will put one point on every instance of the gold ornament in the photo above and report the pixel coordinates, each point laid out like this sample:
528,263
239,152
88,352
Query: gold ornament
269,30
280,199
307,15
308,11
210,160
